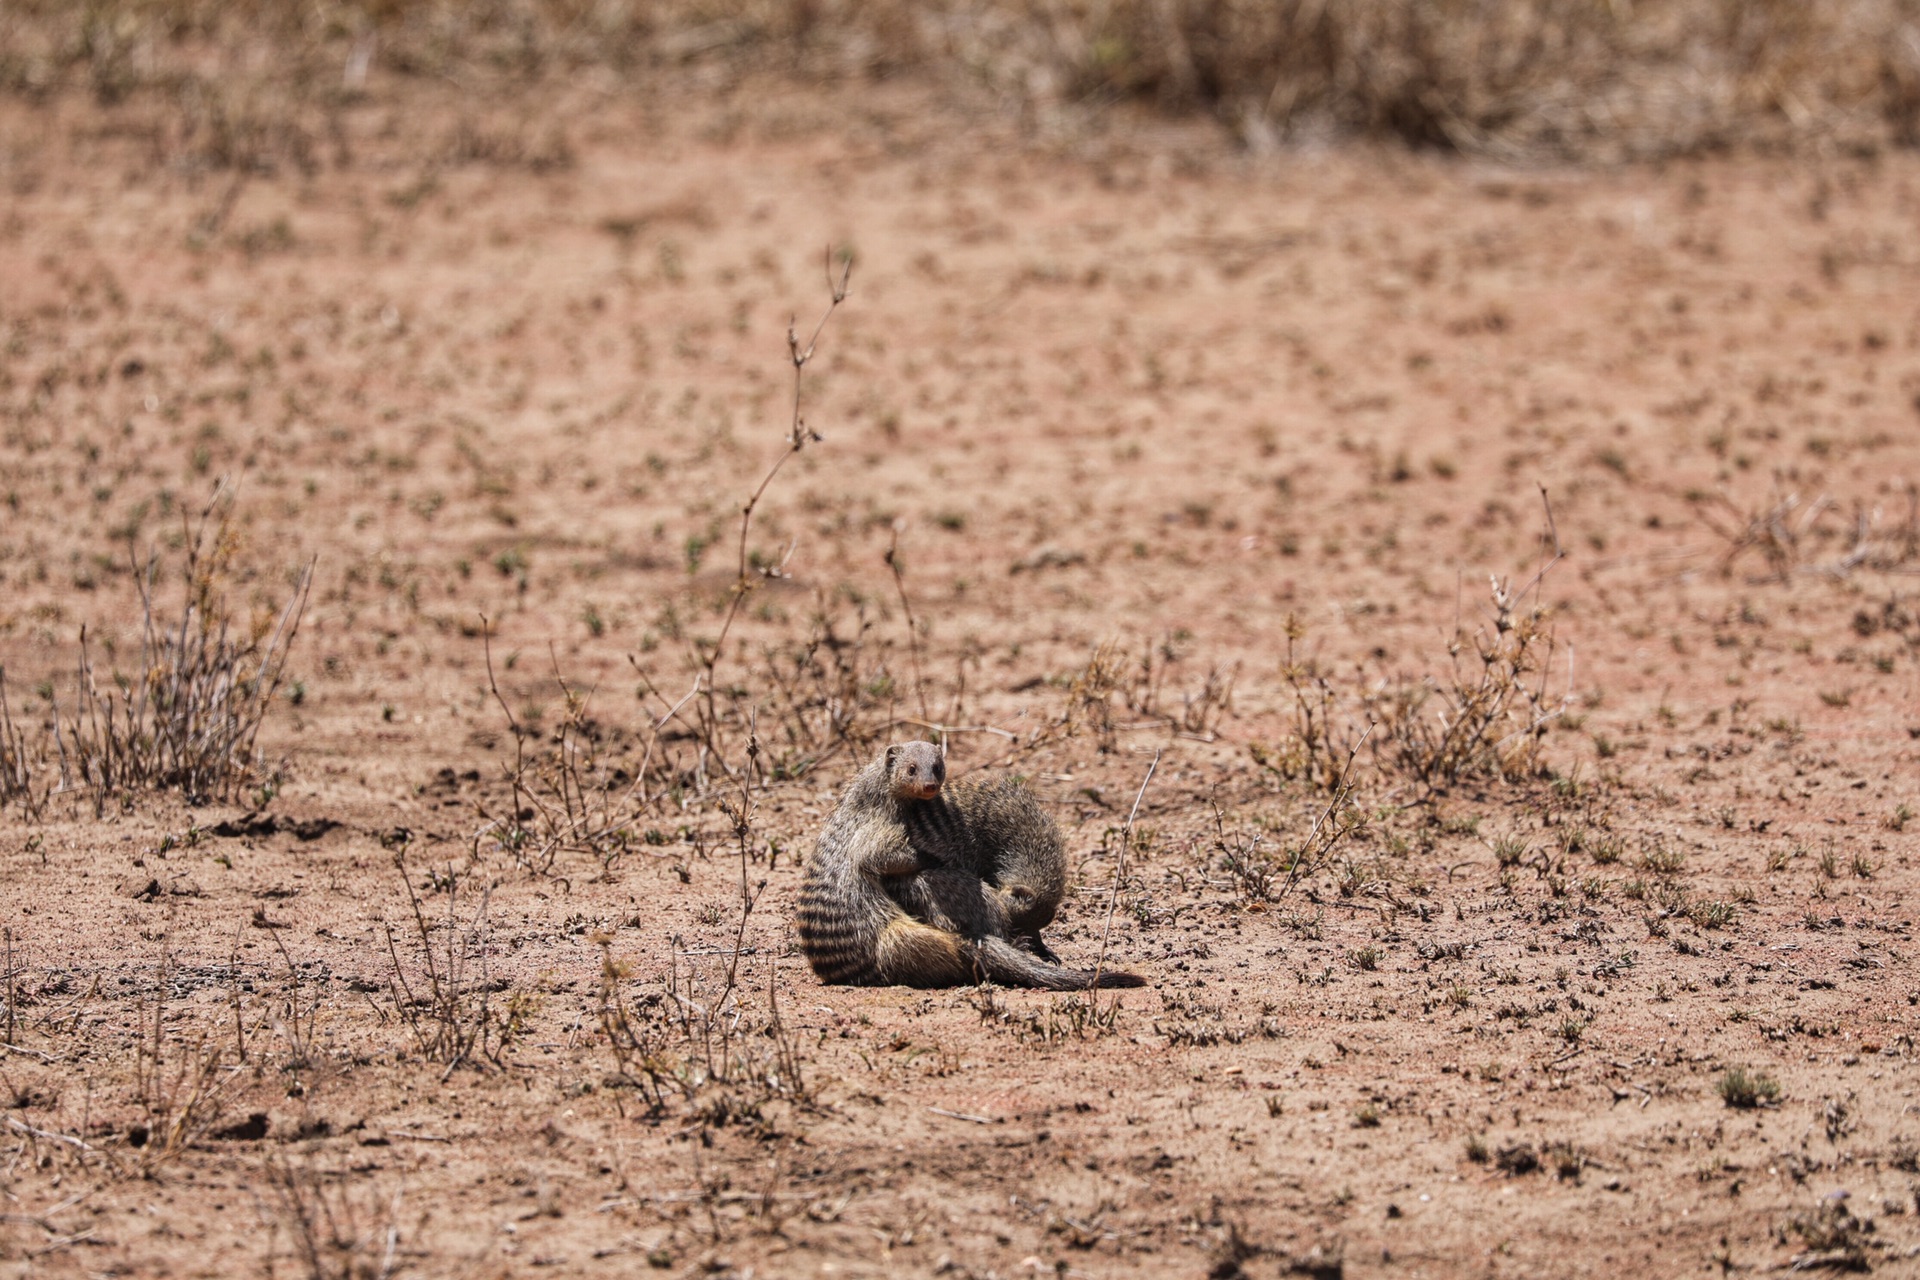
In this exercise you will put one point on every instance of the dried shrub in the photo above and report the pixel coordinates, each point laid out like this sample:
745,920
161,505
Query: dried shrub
1517,79
1836,1238
1257,875
441,985
701,1045
1484,718
182,1098
334,1235
20,759
1789,530
564,795
820,693
188,715
1325,739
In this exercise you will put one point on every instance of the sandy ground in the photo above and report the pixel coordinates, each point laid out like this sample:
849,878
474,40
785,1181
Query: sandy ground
1116,386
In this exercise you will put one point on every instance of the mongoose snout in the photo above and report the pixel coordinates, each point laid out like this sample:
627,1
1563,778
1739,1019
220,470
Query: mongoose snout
919,774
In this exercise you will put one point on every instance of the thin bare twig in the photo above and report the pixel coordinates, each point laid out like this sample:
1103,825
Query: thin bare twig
913,628
1120,871
799,435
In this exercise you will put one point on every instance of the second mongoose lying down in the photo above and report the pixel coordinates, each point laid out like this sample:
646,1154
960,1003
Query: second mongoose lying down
919,884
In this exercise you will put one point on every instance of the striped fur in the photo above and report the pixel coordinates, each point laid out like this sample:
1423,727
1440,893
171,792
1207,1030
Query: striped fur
995,830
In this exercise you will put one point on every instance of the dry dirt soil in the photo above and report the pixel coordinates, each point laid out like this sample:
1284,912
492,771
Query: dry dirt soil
1633,994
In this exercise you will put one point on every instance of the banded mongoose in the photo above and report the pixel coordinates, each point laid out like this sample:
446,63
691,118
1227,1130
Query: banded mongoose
979,863
994,832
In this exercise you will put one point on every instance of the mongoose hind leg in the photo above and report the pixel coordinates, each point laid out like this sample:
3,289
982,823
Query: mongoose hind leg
956,901
911,954
1033,942
1024,920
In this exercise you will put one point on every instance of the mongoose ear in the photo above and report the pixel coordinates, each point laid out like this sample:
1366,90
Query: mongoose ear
891,753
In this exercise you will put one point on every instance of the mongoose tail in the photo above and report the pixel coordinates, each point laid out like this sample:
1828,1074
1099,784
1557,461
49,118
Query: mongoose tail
1010,966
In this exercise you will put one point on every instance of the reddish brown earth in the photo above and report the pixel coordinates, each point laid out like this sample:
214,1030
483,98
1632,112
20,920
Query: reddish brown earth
1121,385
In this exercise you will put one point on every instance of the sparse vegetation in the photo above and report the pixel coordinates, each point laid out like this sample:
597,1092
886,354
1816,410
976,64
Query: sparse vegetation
1744,1090
187,716
1540,80
1484,719
440,982
485,936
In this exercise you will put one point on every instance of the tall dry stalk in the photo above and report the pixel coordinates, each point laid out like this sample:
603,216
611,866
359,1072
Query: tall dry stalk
711,719
703,1043
447,1002
17,757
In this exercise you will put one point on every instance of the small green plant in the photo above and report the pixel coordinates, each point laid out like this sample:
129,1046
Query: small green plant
1711,914
1662,861
511,562
1746,1091
1509,850
1669,897
1604,849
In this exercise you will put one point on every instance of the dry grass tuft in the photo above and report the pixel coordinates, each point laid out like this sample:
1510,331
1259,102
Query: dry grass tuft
188,715
703,1045
332,1236
1484,718
442,989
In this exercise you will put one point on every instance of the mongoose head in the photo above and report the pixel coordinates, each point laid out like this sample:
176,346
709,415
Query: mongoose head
916,769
